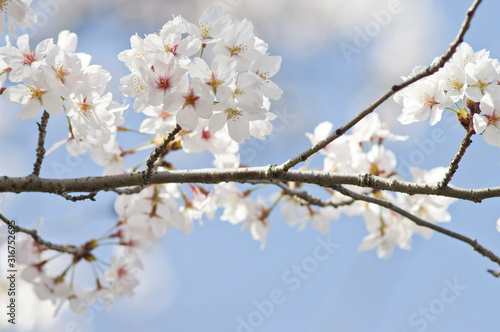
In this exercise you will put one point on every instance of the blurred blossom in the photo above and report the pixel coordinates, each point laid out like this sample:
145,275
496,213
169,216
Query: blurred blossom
302,25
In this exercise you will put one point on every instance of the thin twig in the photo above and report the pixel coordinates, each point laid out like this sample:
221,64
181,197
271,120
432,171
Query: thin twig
68,249
40,150
494,273
69,197
466,142
395,88
473,242
146,175
306,197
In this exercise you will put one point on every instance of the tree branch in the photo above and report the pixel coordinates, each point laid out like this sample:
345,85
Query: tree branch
40,150
69,197
67,249
242,175
473,242
466,142
395,88
129,191
146,175
355,196
306,197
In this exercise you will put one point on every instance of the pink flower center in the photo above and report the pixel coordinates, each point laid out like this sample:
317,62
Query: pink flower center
172,49
28,57
215,82
164,115
237,49
428,100
264,76
3,5
61,73
205,134
121,272
494,119
483,83
163,83
139,85
205,29
233,114
85,107
36,93
191,99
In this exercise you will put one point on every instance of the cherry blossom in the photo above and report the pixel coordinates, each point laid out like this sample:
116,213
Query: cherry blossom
481,78
24,61
17,12
454,81
121,275
167,79
236,118
211,24
170,40
371,128
158,120
257,219
33,97
423,100
64,72
197,102
488,122
202,139
430,208
265,67
387,229
233,201
221,73
238,42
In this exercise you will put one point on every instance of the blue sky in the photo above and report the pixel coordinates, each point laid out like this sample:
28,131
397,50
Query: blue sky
218,278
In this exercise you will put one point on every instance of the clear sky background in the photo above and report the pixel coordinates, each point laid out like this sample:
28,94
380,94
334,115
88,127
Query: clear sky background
217,278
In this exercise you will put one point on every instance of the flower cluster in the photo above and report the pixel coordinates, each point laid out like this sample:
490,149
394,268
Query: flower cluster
363,152
119,279
472,77
228,92
53,76
17,12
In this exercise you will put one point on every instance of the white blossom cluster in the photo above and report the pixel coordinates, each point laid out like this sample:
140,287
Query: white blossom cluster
54,77
229,93
470,77
119,279
360,153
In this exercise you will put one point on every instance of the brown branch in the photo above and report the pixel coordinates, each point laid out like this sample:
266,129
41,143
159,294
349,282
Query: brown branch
473,242
40,150
395,88
69,197
306,197
67,249
355,196
494,273
242,175
146,175
466,142
61,191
